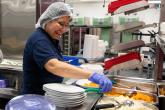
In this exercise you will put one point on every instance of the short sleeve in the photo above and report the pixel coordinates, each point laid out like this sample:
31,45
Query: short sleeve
42,52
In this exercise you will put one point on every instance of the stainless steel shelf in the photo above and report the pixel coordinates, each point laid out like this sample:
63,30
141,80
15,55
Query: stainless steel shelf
8,93
92,26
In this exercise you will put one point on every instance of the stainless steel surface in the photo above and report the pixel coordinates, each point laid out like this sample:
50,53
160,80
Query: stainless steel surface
122,85
8,93
136,10
11,64
128,26
132,78
129,45
143,86
123,91
17,22
13,78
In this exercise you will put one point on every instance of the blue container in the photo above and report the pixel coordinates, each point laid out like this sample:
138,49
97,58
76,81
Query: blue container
2,83
72,60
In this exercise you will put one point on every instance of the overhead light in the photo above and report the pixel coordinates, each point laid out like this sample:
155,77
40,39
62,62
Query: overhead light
154,1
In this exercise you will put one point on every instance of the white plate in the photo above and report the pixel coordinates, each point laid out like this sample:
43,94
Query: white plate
62,93
58,103
62,102
64,88
66,102
64,96
82,83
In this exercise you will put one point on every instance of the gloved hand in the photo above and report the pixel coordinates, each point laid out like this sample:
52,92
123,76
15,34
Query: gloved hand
102,80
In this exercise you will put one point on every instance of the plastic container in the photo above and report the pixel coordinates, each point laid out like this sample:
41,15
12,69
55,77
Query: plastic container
2,83
71,60
30,102
101,49
107,21
81,21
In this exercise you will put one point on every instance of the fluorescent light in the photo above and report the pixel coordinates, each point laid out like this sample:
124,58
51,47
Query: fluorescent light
154,2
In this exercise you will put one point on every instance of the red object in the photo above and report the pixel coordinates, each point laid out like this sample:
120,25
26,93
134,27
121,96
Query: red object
121,59
119,3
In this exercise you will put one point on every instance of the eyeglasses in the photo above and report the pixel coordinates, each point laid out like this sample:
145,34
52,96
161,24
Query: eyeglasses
63,25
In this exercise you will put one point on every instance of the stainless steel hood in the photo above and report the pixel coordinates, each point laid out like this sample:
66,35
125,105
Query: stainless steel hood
17,21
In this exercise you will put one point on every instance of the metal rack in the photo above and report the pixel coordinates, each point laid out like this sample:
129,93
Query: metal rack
68,37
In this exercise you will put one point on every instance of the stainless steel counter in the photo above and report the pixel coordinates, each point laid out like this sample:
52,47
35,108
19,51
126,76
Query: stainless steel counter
11,64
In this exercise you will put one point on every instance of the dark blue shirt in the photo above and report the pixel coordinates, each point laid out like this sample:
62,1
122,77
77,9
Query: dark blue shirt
38,50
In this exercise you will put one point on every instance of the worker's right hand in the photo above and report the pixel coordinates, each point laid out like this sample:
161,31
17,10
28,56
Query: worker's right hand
104,82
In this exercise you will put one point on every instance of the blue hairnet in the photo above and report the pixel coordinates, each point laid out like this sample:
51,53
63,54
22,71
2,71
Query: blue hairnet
54,11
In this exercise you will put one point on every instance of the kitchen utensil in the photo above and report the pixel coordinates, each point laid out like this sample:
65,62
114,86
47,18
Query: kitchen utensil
93,90
131,92
124,85
128,102
117,105
125,103
120,84
102,106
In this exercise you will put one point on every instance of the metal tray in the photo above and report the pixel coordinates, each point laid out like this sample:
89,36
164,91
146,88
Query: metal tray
132,78
140,84
123,91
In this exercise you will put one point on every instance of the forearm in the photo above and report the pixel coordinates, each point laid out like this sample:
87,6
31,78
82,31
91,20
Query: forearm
66,70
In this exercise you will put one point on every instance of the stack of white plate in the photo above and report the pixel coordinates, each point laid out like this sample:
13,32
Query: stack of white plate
64,95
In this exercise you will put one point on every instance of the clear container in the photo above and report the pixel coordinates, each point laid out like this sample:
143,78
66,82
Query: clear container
30,102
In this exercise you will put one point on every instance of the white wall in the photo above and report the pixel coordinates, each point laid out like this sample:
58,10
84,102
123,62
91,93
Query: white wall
96,9
90,9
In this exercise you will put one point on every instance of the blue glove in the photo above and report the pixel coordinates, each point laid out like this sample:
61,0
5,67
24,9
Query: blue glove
102,80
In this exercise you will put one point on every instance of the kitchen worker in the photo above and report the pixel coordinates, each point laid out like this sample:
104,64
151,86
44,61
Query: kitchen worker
42,59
